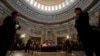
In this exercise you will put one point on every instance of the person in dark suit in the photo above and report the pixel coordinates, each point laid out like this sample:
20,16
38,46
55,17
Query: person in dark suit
8,31
96,31
84,31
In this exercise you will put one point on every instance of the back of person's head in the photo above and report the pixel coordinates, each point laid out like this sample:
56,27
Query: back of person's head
79,9
14,13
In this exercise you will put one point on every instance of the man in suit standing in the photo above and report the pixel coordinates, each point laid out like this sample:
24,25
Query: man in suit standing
96,32
84,31
8,31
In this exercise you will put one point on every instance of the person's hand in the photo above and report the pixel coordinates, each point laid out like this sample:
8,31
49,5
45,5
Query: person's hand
16,26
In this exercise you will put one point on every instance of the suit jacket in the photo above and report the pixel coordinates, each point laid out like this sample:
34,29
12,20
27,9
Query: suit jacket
10,24
9,28
82,23
83,27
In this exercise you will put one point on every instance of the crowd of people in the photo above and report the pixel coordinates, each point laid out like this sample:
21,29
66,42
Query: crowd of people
70,45
19,44
32,45
48,45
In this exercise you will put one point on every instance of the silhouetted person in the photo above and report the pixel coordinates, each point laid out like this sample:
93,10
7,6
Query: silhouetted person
27,47
97,38
69,47
84,31
9,27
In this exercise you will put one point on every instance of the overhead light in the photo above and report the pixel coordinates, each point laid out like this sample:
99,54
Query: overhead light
35,4
60,6
46,7
63,4
39,6
52,7
23,35
68,37
42,7
56,7
31,2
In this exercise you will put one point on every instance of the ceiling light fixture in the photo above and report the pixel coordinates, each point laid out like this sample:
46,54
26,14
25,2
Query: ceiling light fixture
50,8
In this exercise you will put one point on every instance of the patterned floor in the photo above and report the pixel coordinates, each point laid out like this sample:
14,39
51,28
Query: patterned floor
34,53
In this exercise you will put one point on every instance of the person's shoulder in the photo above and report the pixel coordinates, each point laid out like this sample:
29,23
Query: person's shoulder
8,16
85,13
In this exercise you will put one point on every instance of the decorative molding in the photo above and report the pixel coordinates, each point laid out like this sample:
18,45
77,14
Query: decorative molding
32,15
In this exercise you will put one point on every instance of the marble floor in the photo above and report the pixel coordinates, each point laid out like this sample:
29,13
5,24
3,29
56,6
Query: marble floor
34,53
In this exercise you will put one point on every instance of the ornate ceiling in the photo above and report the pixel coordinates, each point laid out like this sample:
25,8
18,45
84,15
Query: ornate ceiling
46,18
